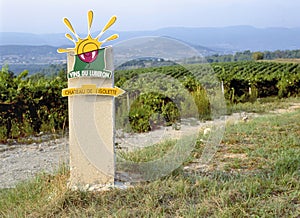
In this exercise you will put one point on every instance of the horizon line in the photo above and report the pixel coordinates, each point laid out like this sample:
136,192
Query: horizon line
167,27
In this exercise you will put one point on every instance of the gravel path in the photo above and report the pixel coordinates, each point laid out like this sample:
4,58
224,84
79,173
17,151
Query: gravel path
22,162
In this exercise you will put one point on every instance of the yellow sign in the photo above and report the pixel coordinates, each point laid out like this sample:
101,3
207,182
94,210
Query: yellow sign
92,90
85,47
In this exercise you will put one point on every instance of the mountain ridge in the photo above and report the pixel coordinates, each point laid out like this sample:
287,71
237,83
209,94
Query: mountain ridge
228,39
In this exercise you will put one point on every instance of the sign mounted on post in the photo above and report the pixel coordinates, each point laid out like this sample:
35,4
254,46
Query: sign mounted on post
90,74
90,64
92,90
89,56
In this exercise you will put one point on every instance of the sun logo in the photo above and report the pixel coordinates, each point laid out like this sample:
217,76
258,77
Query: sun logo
87,48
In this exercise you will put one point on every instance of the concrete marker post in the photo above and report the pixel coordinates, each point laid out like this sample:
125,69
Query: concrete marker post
91,95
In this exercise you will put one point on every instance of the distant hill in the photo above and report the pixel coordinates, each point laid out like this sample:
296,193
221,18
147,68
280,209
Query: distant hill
30,54
36,52
219,39
30,57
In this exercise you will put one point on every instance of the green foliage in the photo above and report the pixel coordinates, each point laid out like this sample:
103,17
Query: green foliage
30,104
160,96
149,153
148,104
258,56
243,82
288,163
249,56
26,102
264,78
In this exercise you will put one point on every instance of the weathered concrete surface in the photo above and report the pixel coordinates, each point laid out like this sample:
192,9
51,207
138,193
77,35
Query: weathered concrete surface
91,117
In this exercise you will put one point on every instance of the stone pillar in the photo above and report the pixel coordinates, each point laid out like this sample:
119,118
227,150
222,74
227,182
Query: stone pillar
91,129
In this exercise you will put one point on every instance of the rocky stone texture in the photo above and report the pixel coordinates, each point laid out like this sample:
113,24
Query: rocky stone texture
20,162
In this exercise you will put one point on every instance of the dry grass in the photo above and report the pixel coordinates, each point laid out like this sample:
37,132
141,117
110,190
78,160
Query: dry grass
255,173
283,60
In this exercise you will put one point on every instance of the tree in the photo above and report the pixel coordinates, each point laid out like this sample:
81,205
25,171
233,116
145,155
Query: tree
258,56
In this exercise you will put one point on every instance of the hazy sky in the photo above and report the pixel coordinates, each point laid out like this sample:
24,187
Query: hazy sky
45,16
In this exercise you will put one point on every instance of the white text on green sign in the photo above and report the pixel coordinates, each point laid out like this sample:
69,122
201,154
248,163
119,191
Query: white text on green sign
90,73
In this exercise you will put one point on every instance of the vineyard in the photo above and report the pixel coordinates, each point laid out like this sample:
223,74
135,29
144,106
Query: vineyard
30,104
246,81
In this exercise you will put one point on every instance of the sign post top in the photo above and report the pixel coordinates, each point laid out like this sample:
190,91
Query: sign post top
85,47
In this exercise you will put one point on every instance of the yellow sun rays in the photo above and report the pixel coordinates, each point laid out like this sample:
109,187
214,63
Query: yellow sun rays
87,44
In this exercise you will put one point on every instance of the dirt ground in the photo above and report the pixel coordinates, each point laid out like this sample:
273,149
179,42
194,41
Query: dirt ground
22,162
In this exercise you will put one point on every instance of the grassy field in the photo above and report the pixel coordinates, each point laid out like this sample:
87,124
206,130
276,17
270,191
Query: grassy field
284,60
255,173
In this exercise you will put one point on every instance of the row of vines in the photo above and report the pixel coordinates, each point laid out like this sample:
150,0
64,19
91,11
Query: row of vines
242,81
247,81
30,104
